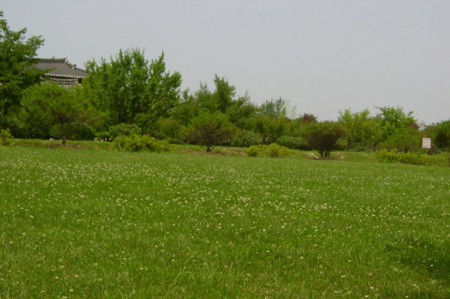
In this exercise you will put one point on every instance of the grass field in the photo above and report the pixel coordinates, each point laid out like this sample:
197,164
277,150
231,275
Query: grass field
99,223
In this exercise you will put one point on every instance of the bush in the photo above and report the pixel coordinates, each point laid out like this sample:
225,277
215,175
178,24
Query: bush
246,138
105,136
404,140
73,132
291,142
210,129
136,143
441,135
170,129
418,158
124,130
5,137
273,151
322,137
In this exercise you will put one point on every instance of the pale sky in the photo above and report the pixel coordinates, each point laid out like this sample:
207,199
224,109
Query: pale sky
321,56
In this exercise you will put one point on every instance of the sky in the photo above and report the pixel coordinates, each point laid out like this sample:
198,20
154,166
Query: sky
321,56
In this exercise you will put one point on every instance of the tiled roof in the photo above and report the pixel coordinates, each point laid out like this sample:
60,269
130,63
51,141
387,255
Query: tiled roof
60,67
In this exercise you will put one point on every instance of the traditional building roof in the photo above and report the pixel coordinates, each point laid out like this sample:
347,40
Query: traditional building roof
61,71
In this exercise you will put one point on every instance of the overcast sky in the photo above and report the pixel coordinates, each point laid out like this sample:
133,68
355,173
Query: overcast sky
321,56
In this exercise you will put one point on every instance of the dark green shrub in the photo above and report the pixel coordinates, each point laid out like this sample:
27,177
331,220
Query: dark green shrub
124,130
136,143
74,132
210,129
291,142
322,137
441,135
246,138
5,137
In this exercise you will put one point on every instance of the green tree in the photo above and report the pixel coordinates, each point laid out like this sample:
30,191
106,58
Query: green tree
17,71
322,137
441,135
210,129
49,104
393,119
274,108
269,128
360,129
132,90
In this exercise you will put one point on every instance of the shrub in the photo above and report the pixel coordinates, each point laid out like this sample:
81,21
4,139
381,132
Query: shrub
291,142
124,130
246,138
403,140
273,151
210,129
441,135
103,136
322,137
170,129
5,137
418,158
136,143
74,131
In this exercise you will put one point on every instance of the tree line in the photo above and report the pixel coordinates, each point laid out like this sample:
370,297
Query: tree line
129,94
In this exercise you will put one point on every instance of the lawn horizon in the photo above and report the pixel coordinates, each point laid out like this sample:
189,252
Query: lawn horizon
98,223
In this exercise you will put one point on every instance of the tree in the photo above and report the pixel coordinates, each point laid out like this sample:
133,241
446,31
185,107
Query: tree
274,108
131,89
322,137
269,128
393,119
17,60
210,129
359,128
50,104
441,135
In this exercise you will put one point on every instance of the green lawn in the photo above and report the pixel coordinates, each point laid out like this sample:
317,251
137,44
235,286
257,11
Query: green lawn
99,223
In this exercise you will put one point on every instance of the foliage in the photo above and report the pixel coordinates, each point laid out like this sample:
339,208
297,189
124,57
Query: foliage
49,104
322,137
5,137
210,129
274,108
292,142
105,136
272,150
124,130
245,138
136,143
17,60
417,158
403,140
171,129
392,119
360,130
441,135
75,131
130,89
222,99
269,128
308,118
